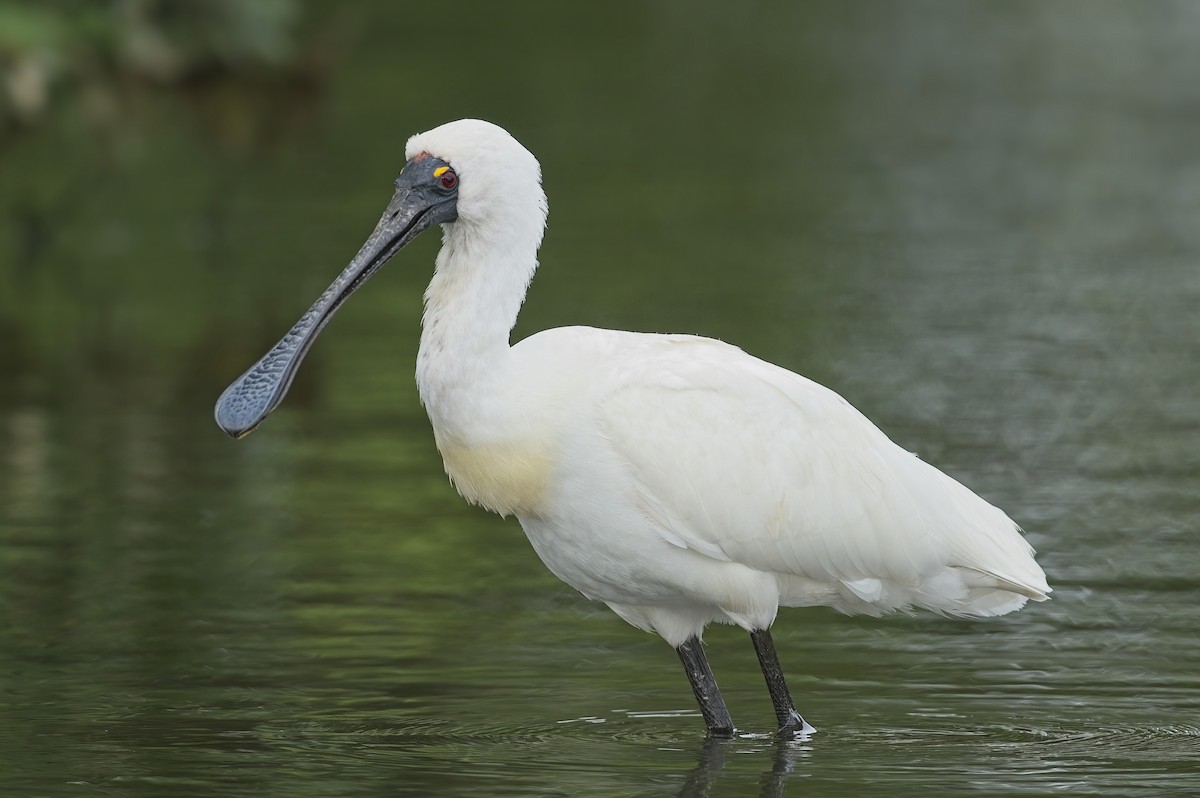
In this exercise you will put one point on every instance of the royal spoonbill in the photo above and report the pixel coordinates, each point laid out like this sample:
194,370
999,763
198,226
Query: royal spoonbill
675,478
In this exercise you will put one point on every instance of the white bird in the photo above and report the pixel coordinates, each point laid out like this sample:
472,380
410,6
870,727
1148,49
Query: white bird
675,478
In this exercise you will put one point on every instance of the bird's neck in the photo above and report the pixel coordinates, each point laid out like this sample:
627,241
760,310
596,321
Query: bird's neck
471,306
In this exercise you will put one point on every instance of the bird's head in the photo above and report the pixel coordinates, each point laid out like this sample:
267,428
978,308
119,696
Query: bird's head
499,181
470,176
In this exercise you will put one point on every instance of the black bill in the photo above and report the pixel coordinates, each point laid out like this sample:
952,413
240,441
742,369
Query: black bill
426,194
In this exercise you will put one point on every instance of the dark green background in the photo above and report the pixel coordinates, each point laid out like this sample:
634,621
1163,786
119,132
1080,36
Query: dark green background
979,222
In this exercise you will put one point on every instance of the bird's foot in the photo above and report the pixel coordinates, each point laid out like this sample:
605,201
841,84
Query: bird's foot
795,728
720,732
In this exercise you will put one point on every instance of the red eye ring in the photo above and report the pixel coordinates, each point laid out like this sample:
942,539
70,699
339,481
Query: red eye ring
449,179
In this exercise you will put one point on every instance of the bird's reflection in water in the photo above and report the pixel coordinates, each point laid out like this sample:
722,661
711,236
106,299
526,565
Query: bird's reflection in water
713,753
708,765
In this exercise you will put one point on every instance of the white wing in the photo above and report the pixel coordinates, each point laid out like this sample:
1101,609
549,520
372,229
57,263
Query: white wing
744,461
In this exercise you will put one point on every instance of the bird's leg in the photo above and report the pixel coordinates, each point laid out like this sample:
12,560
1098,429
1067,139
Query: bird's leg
790,722
704,685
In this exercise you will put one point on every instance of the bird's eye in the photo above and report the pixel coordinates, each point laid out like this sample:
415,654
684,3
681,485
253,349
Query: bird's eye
449,178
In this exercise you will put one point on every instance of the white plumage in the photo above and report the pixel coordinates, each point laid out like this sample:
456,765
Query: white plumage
675,478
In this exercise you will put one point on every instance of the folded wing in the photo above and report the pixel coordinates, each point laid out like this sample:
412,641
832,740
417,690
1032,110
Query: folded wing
747,462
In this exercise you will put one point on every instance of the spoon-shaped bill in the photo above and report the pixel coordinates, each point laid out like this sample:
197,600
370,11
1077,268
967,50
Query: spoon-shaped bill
416,205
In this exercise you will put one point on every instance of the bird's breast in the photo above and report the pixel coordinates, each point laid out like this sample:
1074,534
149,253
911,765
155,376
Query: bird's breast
510,478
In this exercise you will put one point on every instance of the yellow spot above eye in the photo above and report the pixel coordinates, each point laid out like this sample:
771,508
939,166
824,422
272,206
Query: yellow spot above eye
440,170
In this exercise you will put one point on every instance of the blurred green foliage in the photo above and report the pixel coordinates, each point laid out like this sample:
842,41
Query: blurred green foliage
53,47
99,102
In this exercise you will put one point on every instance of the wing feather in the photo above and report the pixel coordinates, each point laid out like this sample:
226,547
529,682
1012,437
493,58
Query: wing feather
746,462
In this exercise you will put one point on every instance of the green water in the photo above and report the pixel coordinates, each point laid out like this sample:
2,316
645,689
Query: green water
978,222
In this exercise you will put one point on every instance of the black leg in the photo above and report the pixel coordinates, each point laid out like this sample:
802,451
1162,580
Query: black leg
708,696
790,722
